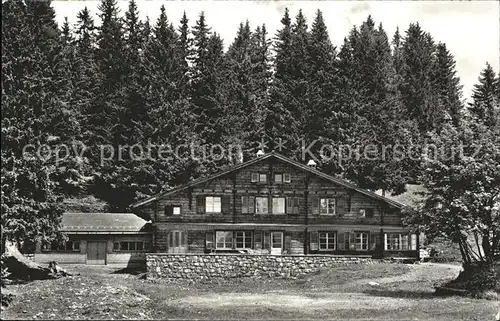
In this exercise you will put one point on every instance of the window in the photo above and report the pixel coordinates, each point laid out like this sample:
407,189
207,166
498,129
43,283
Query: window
327,206
172,210
261,205
361,241
366,212
243,240
259,177
73,246
131,246
327,240
278,205
124,246
278,178
396,242
287,178
224,239
247,204
212,204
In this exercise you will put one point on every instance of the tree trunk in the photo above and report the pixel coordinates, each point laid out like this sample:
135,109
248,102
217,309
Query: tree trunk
22,268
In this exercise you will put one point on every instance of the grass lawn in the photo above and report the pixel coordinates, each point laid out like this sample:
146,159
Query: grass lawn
403,292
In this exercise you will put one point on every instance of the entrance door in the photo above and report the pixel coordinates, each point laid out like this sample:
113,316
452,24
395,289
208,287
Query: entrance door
276,242
177,242
96,253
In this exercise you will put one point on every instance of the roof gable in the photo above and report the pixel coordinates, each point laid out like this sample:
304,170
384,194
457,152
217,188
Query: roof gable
299,165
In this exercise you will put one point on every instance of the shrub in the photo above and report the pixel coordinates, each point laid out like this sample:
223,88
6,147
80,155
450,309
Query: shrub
478,278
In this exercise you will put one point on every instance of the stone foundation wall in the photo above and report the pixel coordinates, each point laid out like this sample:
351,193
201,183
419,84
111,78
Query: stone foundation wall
189,266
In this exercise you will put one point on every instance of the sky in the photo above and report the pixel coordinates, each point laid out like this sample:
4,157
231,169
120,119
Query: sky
470,29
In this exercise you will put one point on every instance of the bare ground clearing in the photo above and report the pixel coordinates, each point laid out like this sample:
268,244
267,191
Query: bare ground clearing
344,292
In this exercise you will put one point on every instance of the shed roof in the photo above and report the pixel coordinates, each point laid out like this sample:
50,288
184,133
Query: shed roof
104,222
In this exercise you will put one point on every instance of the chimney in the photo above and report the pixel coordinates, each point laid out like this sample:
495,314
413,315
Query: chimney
239,156
260,153
311,163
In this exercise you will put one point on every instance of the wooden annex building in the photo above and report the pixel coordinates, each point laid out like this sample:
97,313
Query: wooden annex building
275,205
119,239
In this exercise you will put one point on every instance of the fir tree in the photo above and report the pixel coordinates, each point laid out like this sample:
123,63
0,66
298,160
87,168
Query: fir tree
283,118
36,111
485,103
417,87
447,83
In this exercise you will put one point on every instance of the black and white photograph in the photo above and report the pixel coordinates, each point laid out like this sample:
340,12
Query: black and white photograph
250,160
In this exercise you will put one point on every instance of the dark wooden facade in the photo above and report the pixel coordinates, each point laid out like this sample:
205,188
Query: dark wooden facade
360,223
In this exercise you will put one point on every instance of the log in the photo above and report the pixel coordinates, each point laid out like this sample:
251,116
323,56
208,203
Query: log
22,268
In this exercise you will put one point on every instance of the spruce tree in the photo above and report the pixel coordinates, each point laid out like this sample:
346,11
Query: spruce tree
284,120
484,107
325,116
447,83
108,109
36,112
208,72
417,87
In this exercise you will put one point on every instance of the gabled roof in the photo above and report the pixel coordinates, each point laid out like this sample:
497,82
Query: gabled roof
306,168
103,222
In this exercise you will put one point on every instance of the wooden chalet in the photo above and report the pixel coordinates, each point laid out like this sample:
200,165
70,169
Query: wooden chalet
275,205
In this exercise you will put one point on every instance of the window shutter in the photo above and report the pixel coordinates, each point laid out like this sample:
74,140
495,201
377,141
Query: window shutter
414,242
255,177
372,246
385,241
289,205
251,204
288,241
315,205
200,204
296,205
286,178
257,240
244,204
226,204
340,206
169,210
340,241
209,240
313,241
348,240
183,238
265,241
